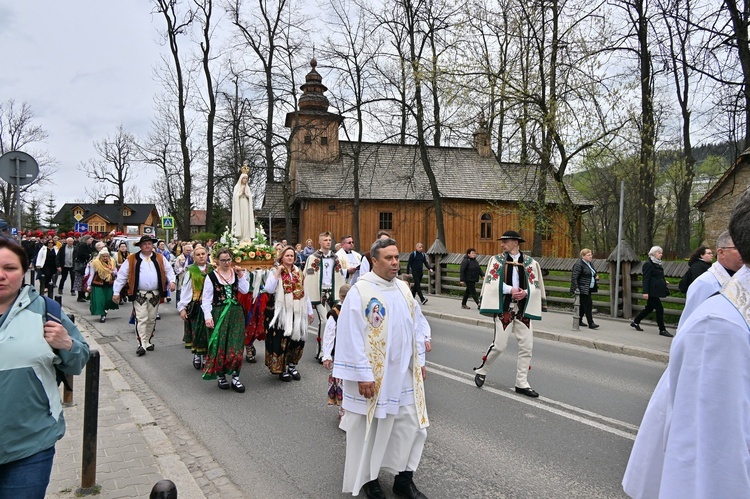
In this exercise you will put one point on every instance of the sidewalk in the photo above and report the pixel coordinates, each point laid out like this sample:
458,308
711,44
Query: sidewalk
133,453
613,335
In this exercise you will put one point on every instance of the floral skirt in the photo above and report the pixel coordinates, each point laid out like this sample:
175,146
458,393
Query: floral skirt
335,390
281,351
195,333
101,300
226,342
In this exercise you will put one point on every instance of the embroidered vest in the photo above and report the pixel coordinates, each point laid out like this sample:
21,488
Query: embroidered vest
134,272
220,290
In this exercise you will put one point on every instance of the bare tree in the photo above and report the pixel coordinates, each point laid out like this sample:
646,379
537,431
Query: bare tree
115,166
176,25
19,132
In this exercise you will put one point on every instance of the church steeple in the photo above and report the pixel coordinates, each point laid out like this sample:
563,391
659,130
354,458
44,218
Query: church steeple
312,98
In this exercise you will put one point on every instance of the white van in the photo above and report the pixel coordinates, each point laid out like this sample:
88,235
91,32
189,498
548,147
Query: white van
129,240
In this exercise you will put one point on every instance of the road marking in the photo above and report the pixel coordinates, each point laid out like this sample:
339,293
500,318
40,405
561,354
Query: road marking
565,410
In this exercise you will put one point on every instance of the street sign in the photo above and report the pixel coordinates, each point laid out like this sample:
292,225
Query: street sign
81,227
18,168
167,223
148,230
13,231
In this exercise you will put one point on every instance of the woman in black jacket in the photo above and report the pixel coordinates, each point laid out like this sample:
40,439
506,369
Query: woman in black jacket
654,288
700,261
471,272
584,280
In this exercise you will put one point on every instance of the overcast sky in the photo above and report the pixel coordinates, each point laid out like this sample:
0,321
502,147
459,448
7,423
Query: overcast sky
84,67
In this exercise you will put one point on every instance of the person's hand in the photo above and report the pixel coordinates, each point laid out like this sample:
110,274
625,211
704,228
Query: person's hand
183,314
519,294
59,269
427,346
328,364
462,283
172,287
116,298
57,336
432,271
367,388
351,270
310,318
210,323
424,372
645,296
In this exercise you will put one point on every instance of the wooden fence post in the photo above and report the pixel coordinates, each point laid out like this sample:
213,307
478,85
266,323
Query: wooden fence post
437,251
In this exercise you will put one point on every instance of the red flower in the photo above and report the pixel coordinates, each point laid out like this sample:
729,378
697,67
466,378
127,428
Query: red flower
319,339
484,358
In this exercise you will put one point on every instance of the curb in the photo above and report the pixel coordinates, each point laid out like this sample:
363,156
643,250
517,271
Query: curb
606,346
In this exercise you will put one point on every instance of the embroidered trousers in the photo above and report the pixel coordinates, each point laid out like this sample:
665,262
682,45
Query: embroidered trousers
146,306
525,338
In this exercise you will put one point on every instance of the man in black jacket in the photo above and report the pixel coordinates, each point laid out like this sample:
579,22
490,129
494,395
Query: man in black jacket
471,272
414,267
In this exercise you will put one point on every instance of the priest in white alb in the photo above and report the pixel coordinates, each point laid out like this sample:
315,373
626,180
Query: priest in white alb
694,439
380,355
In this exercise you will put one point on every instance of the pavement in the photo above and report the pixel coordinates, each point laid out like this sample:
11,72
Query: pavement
140,441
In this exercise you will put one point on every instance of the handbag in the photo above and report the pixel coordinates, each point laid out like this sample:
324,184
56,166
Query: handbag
595,288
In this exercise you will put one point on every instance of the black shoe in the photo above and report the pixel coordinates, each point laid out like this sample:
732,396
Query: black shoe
196,361
81,299
158,317
593,326
666,333
582,324
169,299
424,301
479,380
294,373
72,293
636,326
103,319
529,392
60,291
250,359
150,348
285,376
406,488
237,385
140,351
223,383
373,490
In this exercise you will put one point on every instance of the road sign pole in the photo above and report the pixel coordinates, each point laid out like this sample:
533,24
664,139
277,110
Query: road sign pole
18,190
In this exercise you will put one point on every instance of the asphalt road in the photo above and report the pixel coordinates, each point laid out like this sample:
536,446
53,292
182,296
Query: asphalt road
281,440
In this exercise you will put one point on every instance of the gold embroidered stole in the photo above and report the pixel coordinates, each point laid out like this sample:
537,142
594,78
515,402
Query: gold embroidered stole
736,291
375,348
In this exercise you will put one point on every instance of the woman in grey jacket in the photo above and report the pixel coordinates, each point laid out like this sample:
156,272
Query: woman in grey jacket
31,415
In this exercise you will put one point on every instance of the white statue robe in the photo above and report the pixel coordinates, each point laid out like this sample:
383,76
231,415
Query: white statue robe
694,440
243,218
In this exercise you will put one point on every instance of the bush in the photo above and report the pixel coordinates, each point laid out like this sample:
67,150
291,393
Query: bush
203,236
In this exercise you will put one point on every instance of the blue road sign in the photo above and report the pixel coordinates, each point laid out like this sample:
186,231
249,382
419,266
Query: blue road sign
81,227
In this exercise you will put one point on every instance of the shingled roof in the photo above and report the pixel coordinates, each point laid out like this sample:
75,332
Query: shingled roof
110,212
394,172
273,202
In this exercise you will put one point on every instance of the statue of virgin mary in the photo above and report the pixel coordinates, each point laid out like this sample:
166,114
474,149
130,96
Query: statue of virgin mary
243,219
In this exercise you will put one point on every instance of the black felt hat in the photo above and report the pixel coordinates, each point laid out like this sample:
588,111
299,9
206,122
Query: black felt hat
511,234
146,238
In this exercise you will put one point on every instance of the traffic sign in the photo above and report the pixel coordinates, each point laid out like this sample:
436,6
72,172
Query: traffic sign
81,227
167,223
13,231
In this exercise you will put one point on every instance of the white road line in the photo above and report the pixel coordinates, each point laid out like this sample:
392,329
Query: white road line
583,416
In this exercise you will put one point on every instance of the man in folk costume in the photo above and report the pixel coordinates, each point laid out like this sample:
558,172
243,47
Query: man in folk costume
145,276
350,259
195,333
728,261
324,276
693,440
513,292
380,355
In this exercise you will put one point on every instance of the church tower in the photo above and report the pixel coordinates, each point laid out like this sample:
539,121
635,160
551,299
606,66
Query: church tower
314,131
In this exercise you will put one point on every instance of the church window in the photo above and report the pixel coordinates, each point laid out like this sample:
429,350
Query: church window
308,139
485,230
331,207
324,141
386,220
78,211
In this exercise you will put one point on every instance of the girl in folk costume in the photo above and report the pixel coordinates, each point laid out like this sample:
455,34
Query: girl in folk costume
335,386
189,306
225,320
101,278
293,311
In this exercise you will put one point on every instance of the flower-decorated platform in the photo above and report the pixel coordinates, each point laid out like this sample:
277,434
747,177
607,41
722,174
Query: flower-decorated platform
250,255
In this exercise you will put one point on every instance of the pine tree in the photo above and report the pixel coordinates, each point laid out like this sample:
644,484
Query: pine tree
50,213
33,215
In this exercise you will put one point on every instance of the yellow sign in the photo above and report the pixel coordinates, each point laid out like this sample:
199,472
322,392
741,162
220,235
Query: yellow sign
78,217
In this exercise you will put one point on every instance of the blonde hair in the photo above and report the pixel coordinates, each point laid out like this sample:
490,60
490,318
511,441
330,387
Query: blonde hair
585,251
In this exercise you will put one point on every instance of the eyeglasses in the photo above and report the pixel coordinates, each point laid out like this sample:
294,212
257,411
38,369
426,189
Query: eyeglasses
225,260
